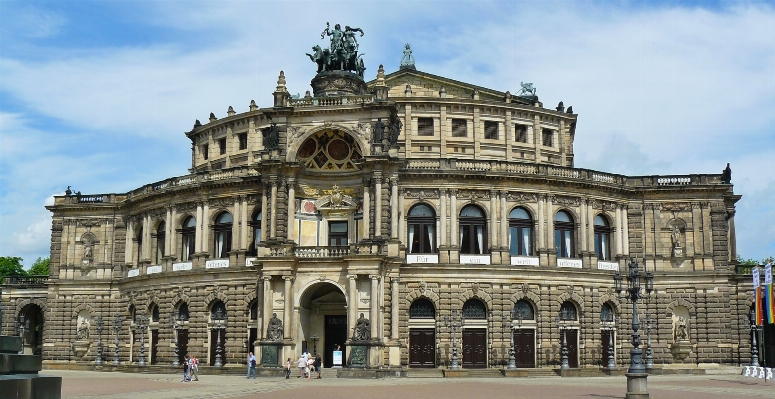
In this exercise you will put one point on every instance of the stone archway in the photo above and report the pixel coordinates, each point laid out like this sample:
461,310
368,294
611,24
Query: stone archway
322,311
33,328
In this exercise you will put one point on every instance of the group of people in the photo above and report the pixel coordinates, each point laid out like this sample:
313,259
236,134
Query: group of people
190,368
306,364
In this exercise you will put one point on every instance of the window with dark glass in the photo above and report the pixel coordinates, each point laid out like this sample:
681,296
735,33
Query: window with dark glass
520,232
602,238
222,229
205,151
160,239
563,235
218,309
607,313
524,310
491,130
425,126
474,309
548,136
254,310
422,308
473,228
139,244
155,314
243,141
337,233
520,133
183,311
459,128
222,145
188,232
255,224
132,313
421,230
568,311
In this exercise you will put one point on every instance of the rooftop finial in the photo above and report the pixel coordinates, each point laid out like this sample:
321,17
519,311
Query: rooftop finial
230,111
407,61
281,81
253,105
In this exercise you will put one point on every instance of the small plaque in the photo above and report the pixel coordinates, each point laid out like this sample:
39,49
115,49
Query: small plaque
608,266
573,263
422,258
153,269
249,261
181,266
524,261
133,273
474,259
215,264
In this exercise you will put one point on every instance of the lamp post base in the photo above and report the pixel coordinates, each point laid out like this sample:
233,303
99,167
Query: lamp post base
637,386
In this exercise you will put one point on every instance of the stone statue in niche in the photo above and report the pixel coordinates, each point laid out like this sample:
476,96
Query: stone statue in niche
680,330
271,137
379,131
274,331
362,330
82,329
675,239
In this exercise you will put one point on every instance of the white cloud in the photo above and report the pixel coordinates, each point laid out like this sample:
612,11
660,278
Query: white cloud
34,23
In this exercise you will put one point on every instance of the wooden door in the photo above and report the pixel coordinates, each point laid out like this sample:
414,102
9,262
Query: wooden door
335,334
154,345
475,348
524,348
605,340
422,347
573,349
214,345
182,345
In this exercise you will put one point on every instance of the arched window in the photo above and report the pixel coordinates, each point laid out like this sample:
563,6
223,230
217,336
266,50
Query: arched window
568,311
523,310
155,313
255,224
254,310
222,228
602,238
188,232
520,232
139,244
132,313
217,310
421,230
474,309
563,235
183,311
160,240
607,313
473,228
422,308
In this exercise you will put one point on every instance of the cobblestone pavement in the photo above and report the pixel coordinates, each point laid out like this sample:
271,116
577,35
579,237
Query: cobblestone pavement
106,385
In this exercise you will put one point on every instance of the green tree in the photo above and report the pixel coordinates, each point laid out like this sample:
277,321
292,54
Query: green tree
40,267
753,262
11,266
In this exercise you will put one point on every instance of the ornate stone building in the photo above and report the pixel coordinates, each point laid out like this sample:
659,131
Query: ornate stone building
365,214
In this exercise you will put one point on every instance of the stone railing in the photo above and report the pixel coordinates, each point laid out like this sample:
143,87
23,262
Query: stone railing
330,101
90,199
321,252
26,281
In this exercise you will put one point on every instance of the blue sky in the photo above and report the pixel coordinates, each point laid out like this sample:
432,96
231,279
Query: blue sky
97,95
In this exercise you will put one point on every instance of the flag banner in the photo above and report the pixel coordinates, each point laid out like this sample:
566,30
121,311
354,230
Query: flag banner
768,274
759,307
755,275
770,304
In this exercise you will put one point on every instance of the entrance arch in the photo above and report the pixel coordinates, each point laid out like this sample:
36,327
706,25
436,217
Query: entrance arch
33,328
322,311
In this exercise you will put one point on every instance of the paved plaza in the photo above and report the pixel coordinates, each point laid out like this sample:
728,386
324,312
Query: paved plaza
107,385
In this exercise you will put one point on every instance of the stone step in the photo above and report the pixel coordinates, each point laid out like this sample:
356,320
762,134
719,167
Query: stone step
424,373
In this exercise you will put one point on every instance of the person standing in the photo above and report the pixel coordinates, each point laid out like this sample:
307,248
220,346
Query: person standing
251,365
288,369
193,367
301,364
318,364
185,370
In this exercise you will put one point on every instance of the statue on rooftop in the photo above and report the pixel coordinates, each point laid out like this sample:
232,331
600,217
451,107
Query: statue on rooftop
527,90
342,54
726,175
407,61
271,137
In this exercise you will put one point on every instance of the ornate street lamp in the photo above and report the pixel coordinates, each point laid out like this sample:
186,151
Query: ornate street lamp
636,374
22,326
220,320
98,359
141,325
751,322
451,322
117,320
507,325
174,326
649,358
609,323
562,323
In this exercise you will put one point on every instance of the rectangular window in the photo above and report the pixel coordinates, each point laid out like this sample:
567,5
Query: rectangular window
243,141
337,233
205,151
548,138
491,130
520,133
222,145
425,126
459,128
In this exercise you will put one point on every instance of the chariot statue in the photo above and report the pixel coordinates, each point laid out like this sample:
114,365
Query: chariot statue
342,53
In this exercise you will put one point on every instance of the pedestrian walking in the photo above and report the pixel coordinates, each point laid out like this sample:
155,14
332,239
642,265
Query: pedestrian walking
193,368
185,370
301,364
318,364
251,365
288,369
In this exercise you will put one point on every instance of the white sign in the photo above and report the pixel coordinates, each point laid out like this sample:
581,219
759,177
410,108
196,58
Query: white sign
755,273
215,264
249,261
181,266
153,269
133,273
524,261
474,259
337,358
574,263
768,274
429,258
608,266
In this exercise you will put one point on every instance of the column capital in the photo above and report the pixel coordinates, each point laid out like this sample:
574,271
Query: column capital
454,192
378,175
493,193
289,278
266,278
395,279
375,276
352,276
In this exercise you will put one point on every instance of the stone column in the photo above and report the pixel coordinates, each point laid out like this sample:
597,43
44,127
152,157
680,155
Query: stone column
583,226
288,307
273,219
591,226
453,228
550,222
537,138
173,237
264,206
236,225
244,227
625,231
504,242
493,239
266,308
442,217
168,232
508,131
291,209
199,221
373,306
541,224
366,208
377,204
618,230
397,212
146,237
129,242
394,302
352,303
401,219
206,228
561,142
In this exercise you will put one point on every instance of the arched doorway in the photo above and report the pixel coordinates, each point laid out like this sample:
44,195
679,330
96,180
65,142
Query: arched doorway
323,321
33,328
